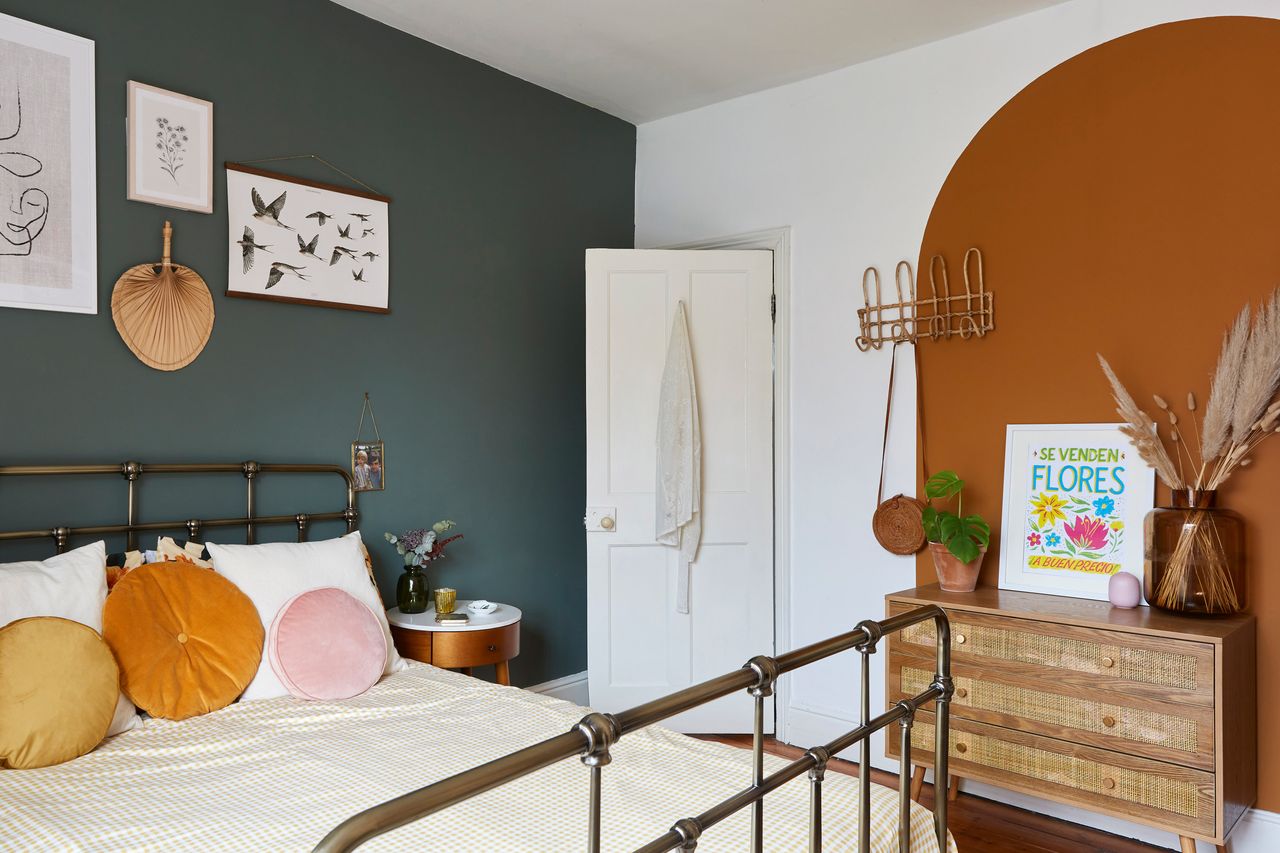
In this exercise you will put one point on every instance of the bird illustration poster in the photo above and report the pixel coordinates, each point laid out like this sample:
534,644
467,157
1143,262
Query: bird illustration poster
48,237
1075,496
293,240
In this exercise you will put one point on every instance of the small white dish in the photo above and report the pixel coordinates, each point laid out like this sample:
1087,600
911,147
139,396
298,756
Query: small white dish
481,606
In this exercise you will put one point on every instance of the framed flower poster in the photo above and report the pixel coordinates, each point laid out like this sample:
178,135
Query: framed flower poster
1075,496
170,148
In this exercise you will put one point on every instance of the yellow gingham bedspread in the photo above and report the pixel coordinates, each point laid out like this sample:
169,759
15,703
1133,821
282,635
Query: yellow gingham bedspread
278,774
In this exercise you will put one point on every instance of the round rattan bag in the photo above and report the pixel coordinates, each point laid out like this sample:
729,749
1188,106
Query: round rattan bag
898,522
897,525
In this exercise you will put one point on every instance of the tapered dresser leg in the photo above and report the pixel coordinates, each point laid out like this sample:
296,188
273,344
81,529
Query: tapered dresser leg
502,671
1188,844
917,782
1225,847
953,788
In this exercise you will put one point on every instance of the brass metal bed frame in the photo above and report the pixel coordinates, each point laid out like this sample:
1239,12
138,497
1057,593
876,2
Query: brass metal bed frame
592,738
134,472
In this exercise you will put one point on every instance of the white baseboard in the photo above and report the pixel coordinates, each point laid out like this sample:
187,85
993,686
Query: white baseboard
571,688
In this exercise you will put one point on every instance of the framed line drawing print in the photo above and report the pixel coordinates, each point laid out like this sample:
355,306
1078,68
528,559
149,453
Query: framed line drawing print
1075,496
170,159
48,237
301,241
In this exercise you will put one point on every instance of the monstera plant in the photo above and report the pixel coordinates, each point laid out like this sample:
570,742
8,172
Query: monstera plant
957,541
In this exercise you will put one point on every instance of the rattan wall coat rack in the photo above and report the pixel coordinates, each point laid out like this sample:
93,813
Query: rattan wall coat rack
939,316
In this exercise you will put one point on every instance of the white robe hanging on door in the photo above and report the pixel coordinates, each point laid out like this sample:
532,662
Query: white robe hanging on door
679,480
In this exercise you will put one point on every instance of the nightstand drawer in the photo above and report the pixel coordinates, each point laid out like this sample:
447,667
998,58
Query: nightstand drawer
1179,733
475,648
1176,797
1167,669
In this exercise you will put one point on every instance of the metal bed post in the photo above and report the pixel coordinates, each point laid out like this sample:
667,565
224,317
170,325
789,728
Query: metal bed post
250,471
943,687
602,731
766,672
303,521
131,471
904,779
871,630
816,774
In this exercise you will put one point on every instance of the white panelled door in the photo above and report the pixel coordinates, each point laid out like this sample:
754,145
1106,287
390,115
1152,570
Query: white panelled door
639,647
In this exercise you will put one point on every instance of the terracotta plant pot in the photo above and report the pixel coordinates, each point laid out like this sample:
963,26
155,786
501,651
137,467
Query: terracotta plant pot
953,575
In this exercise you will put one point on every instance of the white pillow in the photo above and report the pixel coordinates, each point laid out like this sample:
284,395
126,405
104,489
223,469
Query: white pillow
274,573
71,586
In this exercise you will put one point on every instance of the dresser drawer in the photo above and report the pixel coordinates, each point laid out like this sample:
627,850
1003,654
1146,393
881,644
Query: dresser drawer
1131,786
475,648
1175,732
1160,668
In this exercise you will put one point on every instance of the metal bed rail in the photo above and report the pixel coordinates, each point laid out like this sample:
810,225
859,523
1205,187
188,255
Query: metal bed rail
592,738
133,473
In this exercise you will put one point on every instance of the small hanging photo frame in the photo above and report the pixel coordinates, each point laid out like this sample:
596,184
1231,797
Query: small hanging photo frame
368,458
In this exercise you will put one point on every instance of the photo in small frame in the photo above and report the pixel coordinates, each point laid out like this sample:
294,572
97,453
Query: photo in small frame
170,149
368,466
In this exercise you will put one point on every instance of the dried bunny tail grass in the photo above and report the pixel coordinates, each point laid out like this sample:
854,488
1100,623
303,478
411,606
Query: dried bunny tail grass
1260,369
1140,429
1219,410
1160,401
1191,402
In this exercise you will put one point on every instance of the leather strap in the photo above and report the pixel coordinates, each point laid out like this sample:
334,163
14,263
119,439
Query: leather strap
888,413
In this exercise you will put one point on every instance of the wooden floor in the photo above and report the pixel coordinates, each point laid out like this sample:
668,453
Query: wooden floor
980,825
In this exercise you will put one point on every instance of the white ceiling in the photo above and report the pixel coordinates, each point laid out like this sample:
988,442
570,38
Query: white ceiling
645,59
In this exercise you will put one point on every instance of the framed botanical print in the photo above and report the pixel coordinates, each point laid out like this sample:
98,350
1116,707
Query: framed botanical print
305,242
48,236
1075,496
170,148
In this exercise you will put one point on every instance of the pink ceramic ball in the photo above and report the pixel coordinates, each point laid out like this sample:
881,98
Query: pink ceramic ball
1124,590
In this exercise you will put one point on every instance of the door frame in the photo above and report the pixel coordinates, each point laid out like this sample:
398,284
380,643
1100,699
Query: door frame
778,241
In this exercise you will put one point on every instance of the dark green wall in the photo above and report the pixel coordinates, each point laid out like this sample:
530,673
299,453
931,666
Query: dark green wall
477,374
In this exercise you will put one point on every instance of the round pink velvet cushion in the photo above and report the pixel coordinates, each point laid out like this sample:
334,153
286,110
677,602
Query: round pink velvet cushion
326,644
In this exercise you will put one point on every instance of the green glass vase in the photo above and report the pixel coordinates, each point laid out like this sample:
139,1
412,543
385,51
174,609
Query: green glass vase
412,595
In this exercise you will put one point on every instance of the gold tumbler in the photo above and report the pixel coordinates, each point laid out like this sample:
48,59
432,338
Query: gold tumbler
445,600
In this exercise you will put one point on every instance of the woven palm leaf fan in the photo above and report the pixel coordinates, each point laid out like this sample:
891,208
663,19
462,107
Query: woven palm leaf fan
163,311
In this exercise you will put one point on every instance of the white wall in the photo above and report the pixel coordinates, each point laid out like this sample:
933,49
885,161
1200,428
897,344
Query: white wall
852,161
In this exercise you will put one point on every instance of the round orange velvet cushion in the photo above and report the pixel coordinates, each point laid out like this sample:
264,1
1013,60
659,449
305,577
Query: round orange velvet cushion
58,691
187,639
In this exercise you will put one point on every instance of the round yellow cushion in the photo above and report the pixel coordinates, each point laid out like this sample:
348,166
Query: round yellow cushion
187,639
58,690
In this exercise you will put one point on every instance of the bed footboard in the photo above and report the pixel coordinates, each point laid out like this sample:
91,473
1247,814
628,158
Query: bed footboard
592,738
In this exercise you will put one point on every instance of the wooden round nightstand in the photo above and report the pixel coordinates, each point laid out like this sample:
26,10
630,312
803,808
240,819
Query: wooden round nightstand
488,638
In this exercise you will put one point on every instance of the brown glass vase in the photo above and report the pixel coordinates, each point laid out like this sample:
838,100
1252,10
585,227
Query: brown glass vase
1194,556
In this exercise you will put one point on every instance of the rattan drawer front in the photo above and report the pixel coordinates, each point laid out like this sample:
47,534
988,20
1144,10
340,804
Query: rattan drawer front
1177,737
1110,655
1124,785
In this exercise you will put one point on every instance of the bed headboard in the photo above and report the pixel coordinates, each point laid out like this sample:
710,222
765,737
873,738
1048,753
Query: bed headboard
135,472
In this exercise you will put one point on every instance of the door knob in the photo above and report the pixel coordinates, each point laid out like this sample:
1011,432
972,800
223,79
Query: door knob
606,523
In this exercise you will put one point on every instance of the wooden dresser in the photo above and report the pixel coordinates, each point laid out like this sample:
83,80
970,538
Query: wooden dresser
1138,714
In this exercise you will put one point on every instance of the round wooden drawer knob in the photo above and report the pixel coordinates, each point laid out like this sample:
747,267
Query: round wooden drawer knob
1108,662
1109,783
961,692
1109,722
961,748
961,639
